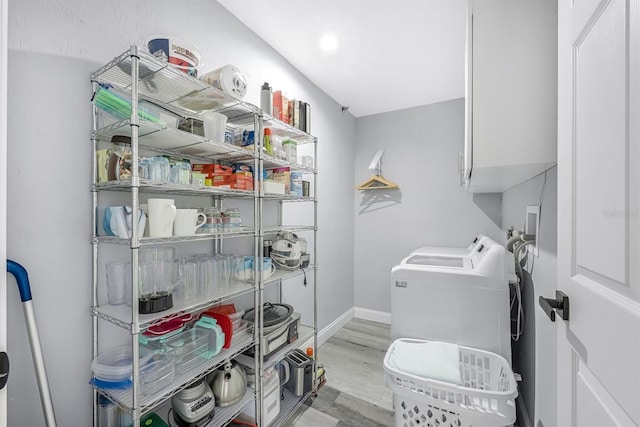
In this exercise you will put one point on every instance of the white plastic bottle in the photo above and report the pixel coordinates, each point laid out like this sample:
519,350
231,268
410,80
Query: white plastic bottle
266,99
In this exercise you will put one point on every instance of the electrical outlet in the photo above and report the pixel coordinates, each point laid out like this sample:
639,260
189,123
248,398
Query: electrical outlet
532,226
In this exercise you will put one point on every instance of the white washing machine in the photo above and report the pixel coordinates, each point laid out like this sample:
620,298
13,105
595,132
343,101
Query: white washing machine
457,299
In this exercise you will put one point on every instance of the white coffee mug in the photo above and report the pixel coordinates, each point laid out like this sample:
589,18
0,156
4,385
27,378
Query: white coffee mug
162,213
268,272
188,221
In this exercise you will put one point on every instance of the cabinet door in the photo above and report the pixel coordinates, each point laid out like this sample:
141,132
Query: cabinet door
464,168
512,92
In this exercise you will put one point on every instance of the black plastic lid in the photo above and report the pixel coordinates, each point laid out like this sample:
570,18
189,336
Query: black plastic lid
272,313
121,139
155,304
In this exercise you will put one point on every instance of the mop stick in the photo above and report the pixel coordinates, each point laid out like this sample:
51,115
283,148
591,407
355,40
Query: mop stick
22,279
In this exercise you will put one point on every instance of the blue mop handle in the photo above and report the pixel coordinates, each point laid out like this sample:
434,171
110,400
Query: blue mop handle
22,278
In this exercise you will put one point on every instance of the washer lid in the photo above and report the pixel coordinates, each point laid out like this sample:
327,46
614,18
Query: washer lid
273,314
436,261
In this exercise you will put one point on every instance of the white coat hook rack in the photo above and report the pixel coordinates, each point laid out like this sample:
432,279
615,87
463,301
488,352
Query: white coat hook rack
377,181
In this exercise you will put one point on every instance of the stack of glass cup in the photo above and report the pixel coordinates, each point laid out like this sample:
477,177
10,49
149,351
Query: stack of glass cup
194,277
213,224
231,220
203,276
227,220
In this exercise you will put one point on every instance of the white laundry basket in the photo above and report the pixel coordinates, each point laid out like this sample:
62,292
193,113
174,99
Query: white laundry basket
486,398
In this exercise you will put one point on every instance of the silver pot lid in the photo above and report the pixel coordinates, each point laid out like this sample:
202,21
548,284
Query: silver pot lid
273,314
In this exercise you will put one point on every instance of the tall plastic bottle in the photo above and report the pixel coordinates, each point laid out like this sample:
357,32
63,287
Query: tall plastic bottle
267,141
266,99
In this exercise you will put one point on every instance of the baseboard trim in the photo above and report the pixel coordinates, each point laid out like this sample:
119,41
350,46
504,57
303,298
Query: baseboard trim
372,315
347,316
335,326
523,414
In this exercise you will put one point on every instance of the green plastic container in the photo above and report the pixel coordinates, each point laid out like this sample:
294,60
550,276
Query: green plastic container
152,420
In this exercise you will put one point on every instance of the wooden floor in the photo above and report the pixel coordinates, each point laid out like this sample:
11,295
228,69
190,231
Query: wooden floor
355,393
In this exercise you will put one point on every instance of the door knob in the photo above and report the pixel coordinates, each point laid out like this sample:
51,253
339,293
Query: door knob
4,369
558,305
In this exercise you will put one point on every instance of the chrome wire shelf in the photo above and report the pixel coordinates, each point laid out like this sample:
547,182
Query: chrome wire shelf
305,333
282,198
145,241
273,162
120,315
274,229
163,139
240,343
164,84
280,274
224,416
286,131
288,406
195,190
187,97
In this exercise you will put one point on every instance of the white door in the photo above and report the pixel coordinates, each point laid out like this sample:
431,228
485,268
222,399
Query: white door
599,212
3,197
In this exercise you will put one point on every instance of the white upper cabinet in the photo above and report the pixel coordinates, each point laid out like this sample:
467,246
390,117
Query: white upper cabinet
511,91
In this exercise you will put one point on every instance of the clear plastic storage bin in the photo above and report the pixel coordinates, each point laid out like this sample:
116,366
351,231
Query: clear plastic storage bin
156,372
113,368
189,348
486,397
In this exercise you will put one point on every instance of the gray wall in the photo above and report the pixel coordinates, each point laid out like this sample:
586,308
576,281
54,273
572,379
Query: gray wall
53,48
421,154
421,147
534,355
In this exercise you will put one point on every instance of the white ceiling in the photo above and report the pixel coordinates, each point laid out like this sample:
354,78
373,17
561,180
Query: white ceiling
394,54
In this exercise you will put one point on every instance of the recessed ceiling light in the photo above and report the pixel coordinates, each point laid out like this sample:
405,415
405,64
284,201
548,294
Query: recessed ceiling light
329,42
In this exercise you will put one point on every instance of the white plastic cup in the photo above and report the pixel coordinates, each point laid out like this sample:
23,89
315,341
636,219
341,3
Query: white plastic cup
228,267
187,279
214,125
119,283
210,275
108,415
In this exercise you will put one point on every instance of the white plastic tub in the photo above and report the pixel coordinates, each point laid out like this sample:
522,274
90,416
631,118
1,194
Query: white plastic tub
113,365
114,368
